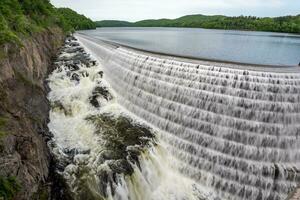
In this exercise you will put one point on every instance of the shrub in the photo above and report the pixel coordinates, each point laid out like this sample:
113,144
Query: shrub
9,186
22,18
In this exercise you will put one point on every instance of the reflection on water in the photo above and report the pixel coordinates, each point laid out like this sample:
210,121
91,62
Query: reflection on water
238,46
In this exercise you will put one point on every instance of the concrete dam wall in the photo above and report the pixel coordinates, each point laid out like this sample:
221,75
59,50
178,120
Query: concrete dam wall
230,128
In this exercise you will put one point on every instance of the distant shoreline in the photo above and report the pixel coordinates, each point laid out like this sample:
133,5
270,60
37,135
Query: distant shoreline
205,61
297,35
284,24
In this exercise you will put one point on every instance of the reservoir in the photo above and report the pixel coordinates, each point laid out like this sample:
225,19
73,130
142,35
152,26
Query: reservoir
263,48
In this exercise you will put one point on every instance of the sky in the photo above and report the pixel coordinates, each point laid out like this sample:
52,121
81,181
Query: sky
135,10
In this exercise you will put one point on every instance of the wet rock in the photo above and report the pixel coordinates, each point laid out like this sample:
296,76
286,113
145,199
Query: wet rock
107,155
121,166
74,50
93,63
63,58
57,105
69,39
74,44
72,67
75,77
84,74
104,178
122,137
99,92
94,101
101,74
62,164
68,73
77,62
73,152
123,143
81,58
102,91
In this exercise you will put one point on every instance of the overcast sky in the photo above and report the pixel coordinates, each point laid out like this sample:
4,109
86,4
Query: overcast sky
134,10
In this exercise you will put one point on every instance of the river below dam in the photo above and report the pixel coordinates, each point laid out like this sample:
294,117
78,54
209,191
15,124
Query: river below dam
134,125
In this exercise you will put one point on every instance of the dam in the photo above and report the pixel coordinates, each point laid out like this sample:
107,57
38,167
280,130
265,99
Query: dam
224,130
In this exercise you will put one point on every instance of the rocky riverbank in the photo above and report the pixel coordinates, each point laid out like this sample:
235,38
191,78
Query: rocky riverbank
24,156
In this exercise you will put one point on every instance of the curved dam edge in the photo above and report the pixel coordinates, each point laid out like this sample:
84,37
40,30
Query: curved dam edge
109,53
99,165
195,60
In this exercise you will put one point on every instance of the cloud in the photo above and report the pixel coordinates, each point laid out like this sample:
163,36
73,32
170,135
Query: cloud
133,10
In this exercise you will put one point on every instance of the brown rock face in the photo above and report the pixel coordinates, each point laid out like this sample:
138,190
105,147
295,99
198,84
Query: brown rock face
24,110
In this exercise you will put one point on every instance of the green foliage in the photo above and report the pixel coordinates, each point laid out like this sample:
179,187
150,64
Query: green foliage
113,23
75,20
9,187
22,18
41,194
3,122
21,77
288,24
3,133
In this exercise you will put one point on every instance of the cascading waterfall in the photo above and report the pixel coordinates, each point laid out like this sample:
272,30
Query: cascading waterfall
232,130
102,150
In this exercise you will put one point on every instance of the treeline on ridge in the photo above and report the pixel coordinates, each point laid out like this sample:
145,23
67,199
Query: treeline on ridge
75,20
288,24
21,18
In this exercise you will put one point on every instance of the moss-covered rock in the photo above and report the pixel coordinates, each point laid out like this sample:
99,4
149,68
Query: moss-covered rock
9,186
122,140
3,132
119,133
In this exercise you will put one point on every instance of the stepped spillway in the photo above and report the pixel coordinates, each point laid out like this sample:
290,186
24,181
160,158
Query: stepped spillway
233,130
101,151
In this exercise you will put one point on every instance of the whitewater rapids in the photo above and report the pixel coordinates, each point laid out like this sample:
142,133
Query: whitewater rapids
220,132
82,142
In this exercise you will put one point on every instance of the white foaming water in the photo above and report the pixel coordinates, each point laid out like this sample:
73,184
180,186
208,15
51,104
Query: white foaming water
155,179
231,130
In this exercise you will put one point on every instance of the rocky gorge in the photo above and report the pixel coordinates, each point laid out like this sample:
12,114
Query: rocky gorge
24,156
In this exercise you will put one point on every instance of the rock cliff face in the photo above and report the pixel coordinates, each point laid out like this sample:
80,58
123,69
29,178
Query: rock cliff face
24,156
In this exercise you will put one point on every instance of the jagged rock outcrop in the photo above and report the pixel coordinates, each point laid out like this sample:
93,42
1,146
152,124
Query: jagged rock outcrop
24,110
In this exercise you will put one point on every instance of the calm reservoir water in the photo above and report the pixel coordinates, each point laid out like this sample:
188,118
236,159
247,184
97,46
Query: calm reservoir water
237,46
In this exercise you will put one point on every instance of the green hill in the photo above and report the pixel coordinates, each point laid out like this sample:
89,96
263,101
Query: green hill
289,24
22,18
77,21
152,23
113,23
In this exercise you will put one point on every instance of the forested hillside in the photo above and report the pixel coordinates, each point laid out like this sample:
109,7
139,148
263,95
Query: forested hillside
113,23
77,21
19,18
288,24
31,33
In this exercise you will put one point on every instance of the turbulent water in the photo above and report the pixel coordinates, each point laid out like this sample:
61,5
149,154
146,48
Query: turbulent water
103,151
214,132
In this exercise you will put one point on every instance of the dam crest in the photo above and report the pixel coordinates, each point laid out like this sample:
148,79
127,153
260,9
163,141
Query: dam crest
233,130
